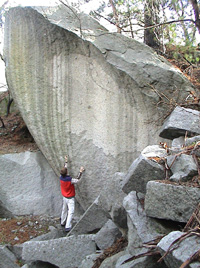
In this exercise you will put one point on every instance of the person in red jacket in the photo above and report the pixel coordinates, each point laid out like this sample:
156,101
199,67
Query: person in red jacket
68,193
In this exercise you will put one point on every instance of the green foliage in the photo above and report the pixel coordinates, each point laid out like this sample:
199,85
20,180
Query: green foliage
189,53
173,19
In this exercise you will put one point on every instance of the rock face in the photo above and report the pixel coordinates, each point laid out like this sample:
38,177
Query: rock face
180,121
90,100
165,201
143,170
7,258
180,253
28,185
67,252
140,217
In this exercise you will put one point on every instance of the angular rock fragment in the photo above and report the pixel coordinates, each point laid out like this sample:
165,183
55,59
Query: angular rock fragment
171,202
180,121
183,167
141,229
89,260
111,200
92,220
140,172
154,151
65,252
182,250
33,186
107,235
194,139
142,262
7,258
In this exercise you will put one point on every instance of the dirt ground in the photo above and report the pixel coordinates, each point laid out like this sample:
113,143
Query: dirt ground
23,228
15,137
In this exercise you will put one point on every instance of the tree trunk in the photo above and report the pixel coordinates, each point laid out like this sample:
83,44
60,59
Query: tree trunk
115,15
196,13
151,17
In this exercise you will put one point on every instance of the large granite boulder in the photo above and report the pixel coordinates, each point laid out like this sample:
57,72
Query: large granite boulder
180,121
141,228
140,172
91,221
7,258
181,249
171,202
111,201
89,99
183,167
67,252
108,235
28,185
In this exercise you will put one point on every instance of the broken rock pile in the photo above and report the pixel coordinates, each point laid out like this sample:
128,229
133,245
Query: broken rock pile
149,205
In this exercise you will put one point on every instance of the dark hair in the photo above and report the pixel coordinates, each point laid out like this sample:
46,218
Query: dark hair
63,172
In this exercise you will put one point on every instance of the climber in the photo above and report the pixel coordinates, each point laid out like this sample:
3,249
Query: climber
68,193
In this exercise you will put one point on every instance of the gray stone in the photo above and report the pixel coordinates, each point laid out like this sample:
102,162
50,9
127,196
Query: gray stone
180,121
142,262
4,212
16,250
111,261
92,220
189,141
89,260
178,143
111,200
85,98
140,172
107,235
183,167
154,151
7,258
185,249
171,202
65,252
53,234
33,186
141,229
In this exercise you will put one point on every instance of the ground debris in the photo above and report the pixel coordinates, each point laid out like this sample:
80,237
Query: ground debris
15,136
20,229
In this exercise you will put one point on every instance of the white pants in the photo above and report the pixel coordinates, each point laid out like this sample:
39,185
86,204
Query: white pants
67,211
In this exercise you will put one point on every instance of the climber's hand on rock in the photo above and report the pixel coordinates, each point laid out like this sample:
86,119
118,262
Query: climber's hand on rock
82,169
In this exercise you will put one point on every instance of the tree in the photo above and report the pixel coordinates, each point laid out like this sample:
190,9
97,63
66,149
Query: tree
196,13
151,17
156,21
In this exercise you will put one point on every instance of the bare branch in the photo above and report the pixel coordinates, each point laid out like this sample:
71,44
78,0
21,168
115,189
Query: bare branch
111,22
115,16
142,27
74,14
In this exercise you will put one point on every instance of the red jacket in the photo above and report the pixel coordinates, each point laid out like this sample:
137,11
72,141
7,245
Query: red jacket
67,188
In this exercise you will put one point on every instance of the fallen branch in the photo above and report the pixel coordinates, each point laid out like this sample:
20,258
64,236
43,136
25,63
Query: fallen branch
148,253
174,245
194,220
194,257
